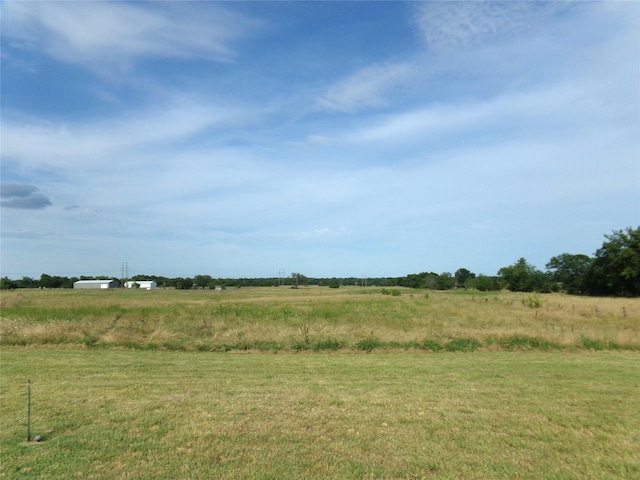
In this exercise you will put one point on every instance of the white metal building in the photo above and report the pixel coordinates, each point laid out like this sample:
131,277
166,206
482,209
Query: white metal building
143,284
96,284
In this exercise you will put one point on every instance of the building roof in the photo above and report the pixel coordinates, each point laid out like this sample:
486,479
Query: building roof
95,281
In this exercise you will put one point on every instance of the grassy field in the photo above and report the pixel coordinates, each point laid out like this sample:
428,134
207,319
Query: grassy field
128,384
112,414
318,319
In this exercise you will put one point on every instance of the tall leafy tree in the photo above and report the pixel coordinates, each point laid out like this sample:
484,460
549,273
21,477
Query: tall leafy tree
202,281
445,281
524,277
462,275
484,283
7,284
616,267
570,271
298,279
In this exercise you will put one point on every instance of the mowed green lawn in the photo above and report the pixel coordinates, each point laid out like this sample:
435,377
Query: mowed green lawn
111,414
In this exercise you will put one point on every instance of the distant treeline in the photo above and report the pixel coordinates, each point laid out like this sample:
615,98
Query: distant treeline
613,270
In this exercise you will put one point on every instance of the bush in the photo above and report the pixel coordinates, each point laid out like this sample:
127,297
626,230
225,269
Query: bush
532,302
394,292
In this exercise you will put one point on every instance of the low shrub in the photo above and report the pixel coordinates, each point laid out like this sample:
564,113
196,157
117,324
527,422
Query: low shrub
532,301
328,344
523,341
369,344
266,346
462,345
301,346
432,345
394,292
592,344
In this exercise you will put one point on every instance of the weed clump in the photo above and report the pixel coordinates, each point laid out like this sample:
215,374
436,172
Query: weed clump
328,344
369,344
394,292
462,345
532,301
594,344
516,342
432,345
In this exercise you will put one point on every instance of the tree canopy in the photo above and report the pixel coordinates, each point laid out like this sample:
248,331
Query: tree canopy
570,271
616,266
524,277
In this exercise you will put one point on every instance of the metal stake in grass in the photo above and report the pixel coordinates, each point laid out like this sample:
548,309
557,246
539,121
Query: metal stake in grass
28,410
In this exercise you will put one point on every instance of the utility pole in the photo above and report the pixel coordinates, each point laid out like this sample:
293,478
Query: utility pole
125,272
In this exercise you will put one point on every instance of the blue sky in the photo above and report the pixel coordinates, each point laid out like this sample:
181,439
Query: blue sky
328,138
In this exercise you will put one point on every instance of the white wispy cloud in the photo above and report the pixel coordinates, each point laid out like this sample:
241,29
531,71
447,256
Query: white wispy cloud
110,34
367,88
433,122
40,142
450,25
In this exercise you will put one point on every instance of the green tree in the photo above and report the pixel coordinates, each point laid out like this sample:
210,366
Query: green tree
7,284
445,281
570,271
47,281
484,283
298,279
180,283
202,281
462,275
431,280
27,282
414,280
616,267
524,277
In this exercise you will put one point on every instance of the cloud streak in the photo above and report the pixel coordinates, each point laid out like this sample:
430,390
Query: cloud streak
22,197
40,143
367,88
100,34
447,26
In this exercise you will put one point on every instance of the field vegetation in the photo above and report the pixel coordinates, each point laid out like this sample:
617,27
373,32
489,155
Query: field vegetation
345,383
113,414
318,319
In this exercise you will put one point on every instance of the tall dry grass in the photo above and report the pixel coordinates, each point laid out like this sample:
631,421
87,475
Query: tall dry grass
317,318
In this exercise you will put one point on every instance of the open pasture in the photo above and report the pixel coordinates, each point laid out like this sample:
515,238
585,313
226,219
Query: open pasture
112,414
126,385
317,319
